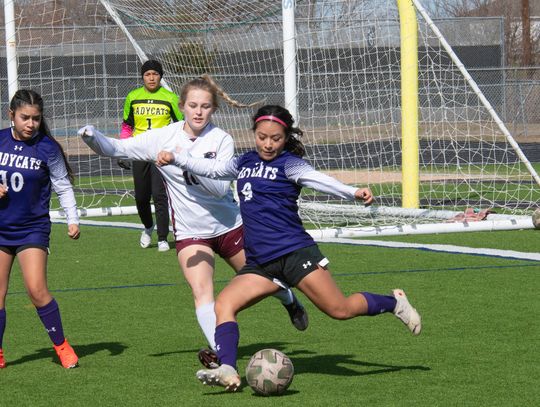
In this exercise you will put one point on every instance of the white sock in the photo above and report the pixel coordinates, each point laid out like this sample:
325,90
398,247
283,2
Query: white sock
207,321
286,296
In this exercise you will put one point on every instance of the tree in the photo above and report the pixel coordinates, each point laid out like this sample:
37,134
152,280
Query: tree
526,32
521,44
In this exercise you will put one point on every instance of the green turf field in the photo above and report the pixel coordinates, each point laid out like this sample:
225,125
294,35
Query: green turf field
129,315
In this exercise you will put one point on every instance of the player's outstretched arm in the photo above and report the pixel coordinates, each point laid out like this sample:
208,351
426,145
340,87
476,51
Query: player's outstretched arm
97,141
206,167
364,194
143,147
164,158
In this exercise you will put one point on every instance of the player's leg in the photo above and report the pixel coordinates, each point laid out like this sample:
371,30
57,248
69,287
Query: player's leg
142,183
243,291
6,262
197,263
321,289
230,248
33,263
159,196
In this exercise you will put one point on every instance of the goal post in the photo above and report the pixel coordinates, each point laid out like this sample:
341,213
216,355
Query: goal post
11,48
378,88
409,104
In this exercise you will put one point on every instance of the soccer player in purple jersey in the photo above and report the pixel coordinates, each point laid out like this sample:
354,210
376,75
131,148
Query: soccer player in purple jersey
278,249
206,219
31,163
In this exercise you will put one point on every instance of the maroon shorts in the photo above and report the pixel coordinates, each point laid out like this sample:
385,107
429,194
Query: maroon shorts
226,245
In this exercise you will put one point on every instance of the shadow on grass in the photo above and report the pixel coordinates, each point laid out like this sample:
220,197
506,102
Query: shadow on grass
344,365
115,348
306,361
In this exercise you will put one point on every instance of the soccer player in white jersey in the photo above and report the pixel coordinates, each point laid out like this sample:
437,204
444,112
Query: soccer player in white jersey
31,164
206,219
278,249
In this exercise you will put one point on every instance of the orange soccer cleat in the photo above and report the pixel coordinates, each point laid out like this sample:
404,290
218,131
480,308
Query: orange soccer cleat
2,360
67,355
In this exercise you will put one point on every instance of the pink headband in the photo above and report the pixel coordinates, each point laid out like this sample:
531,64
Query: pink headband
272,119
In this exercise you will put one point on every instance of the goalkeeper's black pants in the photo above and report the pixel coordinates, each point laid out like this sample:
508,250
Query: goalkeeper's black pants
149,185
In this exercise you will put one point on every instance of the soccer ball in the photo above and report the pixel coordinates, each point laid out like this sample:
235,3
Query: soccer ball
269,372
536,218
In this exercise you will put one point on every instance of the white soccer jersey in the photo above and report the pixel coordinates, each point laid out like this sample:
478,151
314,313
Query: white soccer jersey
199,207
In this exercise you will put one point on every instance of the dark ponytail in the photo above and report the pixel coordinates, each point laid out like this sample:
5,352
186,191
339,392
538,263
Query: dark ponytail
25,97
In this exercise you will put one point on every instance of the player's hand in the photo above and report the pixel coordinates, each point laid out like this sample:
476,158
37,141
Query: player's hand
73,231
364,194
87,130
164,158
124,164
3,190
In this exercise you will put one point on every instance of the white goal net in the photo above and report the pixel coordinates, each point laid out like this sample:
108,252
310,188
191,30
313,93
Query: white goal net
349,100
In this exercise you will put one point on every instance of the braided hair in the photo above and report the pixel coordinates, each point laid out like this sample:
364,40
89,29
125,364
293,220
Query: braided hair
207,83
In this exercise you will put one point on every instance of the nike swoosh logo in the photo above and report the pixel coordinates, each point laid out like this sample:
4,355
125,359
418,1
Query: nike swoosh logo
238,241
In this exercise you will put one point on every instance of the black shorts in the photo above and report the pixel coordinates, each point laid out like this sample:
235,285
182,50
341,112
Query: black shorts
291,268
14,250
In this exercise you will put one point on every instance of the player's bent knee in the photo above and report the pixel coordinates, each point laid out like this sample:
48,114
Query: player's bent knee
224,308
339,313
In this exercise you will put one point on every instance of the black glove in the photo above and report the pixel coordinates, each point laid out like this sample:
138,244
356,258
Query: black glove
124,164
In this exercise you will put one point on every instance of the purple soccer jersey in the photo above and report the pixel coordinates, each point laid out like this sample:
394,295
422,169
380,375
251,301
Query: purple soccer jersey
268,203
25,168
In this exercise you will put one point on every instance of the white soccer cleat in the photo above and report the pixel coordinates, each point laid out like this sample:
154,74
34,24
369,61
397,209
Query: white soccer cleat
146,238
224,376
406,313
163,246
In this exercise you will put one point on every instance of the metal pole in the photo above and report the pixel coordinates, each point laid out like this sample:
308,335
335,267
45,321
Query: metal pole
289,58
11,48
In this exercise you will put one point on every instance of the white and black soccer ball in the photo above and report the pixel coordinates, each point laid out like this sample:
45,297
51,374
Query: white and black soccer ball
269,372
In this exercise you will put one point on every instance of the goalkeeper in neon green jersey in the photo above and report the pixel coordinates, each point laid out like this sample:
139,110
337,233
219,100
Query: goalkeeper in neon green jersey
150,106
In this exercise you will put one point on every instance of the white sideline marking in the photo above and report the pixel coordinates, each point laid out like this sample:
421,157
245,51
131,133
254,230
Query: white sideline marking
506,254
122,225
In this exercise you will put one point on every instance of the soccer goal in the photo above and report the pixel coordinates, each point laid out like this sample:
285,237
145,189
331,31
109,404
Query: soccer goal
378,87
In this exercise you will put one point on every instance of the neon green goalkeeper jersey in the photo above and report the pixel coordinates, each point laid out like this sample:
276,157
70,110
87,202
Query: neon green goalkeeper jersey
145,110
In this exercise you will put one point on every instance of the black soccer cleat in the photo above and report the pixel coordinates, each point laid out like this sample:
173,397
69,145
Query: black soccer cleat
208,358
298,315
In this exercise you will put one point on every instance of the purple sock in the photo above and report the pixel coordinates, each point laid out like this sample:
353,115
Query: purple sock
227,337
50,316
377,304
2,325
